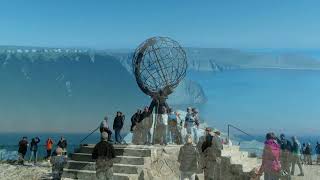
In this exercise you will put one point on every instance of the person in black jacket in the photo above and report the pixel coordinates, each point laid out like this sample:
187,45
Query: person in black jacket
34,149
63,145
103,153
117,126
135,119
23,148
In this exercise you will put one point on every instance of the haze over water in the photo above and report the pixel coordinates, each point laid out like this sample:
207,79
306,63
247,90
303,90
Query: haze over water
262,100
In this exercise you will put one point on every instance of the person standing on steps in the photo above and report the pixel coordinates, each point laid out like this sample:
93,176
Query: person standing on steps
296,156
117,126
103,153
104,127
58,162
189,160
212,158
23,148
34,149
271,166
147,122
173,131
190,124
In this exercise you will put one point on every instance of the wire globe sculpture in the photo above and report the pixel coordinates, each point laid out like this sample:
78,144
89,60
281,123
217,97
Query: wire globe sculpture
159,65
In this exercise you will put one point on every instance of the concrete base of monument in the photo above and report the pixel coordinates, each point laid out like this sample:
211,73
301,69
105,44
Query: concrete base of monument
156,162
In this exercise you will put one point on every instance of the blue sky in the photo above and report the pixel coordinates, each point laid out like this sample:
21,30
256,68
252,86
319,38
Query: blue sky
124,24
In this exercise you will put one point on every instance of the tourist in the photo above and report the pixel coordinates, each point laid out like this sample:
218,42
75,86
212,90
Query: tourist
318,152
160,106
49,144
163,126
63,145
190,124
189,160
195,114
147,121
173,137
117,126
23,148
285,156
212,158
104,127
58,162
270,166
303,149
34,149
137,128
134,119
204,142
104,153
308,152
296,156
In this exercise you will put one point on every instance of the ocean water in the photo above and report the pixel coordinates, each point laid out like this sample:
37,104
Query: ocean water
256,100
259,101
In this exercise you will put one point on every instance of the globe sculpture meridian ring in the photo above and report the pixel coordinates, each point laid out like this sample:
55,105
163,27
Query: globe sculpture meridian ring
159,64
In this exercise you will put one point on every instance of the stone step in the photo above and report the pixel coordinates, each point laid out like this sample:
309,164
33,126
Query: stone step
140,152
119,159
91,166
87,175
78,174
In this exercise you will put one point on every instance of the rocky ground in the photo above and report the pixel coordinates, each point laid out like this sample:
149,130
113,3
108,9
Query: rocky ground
42,172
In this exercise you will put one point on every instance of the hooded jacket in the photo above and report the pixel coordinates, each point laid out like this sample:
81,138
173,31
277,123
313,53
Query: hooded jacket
271,157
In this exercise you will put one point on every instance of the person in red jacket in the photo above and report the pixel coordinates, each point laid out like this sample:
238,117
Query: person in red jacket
49,144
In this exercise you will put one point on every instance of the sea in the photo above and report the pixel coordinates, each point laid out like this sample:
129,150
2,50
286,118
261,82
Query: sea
255,101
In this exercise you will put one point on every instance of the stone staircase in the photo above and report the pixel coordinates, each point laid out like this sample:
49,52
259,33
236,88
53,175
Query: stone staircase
131,160
238,162
128,163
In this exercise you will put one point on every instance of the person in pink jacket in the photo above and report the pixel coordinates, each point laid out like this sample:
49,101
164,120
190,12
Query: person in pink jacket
271,166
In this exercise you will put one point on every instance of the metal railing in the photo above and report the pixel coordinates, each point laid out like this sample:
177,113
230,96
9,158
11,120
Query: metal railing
236,128
93,131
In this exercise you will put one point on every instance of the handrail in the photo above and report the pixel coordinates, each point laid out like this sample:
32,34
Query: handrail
89,134
236,128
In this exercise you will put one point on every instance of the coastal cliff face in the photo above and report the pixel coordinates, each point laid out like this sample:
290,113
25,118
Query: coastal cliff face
47,87
221,59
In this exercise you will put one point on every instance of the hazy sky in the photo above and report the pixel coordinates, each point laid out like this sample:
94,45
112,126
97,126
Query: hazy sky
124,24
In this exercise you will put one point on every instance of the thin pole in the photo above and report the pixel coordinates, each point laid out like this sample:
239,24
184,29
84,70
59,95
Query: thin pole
89,134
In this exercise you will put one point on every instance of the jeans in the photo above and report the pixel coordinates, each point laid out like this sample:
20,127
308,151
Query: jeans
187,176
165,134
191,129
34,155
173,134
48,153
117,135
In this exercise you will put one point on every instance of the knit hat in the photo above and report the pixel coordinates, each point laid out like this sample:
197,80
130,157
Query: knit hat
59,150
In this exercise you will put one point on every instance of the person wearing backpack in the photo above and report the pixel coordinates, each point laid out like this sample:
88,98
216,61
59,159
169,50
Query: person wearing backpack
296,156
271,166
23,148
